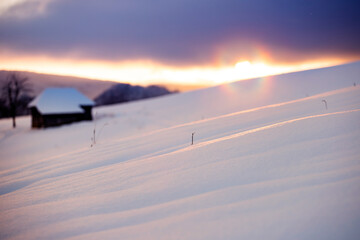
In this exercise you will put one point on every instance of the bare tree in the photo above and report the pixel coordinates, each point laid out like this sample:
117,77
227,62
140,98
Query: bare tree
12,90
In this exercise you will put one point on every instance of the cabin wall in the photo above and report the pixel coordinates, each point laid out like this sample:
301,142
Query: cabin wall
37,120
87,114
51,120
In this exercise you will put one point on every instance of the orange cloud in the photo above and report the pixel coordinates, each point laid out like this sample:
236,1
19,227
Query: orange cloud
145,72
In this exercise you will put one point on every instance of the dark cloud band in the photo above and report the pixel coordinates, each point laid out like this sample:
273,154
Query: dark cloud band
187,32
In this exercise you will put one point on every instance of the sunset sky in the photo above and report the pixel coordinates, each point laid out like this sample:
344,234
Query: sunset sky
202,42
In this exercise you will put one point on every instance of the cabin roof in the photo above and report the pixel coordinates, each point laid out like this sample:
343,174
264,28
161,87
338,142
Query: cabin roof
60,101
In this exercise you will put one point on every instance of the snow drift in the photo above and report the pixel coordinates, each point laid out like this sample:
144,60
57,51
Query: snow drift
269,161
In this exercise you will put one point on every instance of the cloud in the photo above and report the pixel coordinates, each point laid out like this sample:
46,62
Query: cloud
22,9
186,31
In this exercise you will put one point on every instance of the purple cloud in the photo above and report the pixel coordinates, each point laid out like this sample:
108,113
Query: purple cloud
186,31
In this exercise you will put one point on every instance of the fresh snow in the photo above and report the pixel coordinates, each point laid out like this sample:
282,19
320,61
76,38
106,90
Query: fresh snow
60,100
269,161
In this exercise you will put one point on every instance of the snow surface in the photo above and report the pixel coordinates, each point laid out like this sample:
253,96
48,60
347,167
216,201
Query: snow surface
60,100
269,162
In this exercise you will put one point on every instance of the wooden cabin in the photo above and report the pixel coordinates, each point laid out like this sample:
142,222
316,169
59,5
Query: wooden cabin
58,106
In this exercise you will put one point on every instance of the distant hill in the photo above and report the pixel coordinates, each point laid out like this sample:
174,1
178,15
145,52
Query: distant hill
89,87
121,92
104,92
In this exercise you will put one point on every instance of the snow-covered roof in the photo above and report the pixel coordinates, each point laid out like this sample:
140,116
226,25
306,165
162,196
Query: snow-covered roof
60,100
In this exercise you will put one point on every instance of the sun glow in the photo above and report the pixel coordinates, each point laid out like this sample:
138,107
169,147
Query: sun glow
247,69
147,72
243,65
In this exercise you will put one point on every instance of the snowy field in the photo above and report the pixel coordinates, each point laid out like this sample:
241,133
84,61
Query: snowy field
269,161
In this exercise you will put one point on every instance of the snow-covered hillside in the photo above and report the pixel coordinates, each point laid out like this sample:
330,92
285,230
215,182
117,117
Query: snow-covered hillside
269,161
